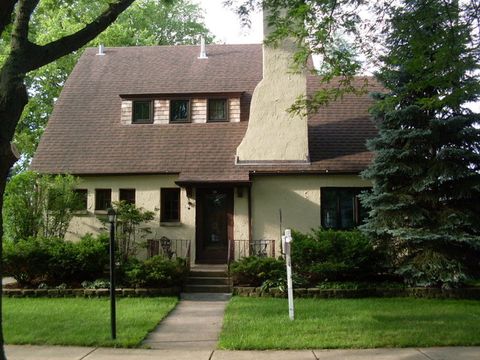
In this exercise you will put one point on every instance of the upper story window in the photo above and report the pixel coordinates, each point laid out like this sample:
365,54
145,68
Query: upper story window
103,199
217,110
179,111
341,208
142,112
127,195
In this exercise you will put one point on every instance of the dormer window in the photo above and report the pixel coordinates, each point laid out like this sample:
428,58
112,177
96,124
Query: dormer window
179,111
217,110
142,112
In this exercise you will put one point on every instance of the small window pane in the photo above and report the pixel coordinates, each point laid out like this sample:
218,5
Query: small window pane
170,205
179,110
82,196
142,111
127,195
217,109
103,199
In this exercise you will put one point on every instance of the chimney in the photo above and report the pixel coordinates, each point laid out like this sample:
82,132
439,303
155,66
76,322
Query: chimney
203,51
273,134
100,50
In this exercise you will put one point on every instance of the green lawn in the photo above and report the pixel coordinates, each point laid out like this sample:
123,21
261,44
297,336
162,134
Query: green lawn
262,323
77,321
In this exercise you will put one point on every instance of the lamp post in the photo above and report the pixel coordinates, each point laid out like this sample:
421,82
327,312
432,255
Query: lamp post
113,318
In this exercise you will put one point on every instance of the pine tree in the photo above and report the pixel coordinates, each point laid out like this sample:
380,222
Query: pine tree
425,202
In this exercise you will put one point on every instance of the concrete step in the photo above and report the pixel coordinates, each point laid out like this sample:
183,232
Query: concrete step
208,273
193,280
189,288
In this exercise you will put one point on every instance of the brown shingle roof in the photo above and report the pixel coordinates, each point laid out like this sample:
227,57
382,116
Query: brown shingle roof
85,136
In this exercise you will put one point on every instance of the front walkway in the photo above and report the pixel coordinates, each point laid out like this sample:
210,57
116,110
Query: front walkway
195,323
15,352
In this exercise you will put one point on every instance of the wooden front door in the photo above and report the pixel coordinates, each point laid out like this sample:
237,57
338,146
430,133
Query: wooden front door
214,227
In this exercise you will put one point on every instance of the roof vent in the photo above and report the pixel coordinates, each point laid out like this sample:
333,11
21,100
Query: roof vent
203,51
100,50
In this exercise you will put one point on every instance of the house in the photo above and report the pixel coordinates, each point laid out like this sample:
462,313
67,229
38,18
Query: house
204,140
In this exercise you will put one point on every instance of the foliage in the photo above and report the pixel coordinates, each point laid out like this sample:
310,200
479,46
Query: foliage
425,203
255,270
346,36
55,261
145,22
157,272
129,219
39,205
332,255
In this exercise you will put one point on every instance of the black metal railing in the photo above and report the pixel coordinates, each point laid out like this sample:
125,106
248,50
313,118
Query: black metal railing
243,248
169,248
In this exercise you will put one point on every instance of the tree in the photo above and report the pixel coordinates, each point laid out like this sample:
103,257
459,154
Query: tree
24,56
145,22
425,203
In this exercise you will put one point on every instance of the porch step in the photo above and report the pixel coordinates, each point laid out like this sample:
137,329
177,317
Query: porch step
206,288
209,280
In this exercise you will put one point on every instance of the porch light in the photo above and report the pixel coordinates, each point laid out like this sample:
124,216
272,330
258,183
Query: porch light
111,215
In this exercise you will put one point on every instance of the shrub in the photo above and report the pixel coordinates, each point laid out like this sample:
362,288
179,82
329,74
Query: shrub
254,271
55,261
330,255
158,272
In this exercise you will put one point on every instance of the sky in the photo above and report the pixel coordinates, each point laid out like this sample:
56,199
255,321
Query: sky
225,24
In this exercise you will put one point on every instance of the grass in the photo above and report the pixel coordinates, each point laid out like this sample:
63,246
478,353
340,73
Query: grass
82,322
262,323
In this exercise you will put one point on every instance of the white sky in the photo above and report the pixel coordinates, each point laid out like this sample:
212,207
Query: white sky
225,24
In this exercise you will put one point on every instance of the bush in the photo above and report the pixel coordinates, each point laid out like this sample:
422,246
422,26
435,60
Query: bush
254,271
330,255
158,272
55,261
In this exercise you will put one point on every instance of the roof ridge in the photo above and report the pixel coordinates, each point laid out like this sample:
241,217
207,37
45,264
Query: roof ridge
171,46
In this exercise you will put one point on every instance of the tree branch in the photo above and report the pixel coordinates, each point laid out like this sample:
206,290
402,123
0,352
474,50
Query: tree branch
20,31
6,10
42,55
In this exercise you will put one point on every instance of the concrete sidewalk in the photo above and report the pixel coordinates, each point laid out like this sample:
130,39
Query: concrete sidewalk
16,352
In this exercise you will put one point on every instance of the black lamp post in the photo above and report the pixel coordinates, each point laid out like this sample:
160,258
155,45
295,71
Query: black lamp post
113,318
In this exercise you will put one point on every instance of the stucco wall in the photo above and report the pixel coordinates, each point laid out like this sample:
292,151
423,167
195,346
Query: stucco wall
147,196
297,196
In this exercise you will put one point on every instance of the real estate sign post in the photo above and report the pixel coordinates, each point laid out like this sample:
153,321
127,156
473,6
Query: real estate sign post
287,240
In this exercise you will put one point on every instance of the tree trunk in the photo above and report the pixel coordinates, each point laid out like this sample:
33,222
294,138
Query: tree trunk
13,98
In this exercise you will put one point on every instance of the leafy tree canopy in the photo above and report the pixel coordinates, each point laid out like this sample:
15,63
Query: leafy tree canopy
146,22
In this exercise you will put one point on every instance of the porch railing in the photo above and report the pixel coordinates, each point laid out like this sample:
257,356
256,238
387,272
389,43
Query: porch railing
243,248
169,248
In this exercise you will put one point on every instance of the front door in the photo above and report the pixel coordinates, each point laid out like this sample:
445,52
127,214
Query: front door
214,225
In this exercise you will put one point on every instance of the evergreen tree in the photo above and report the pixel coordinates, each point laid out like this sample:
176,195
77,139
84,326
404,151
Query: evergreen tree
425,203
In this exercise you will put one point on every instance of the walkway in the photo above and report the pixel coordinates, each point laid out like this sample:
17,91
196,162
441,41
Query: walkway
195,323
15,352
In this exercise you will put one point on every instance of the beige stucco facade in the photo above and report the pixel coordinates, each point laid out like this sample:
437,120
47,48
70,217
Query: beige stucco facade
298,197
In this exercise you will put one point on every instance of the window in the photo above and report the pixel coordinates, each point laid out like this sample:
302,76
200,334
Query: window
341,208
170,205
142,112
127,195
103,199
179,111
217,110
82,195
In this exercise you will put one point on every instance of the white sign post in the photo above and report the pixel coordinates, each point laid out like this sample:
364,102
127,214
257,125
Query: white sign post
287,240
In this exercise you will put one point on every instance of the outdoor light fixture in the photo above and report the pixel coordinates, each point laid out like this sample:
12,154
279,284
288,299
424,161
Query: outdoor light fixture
113,321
